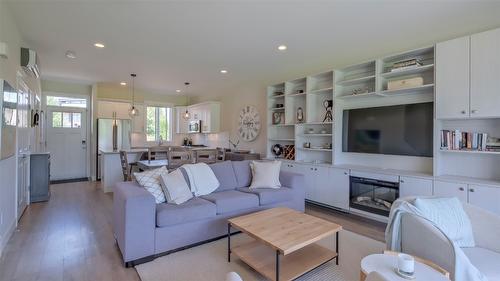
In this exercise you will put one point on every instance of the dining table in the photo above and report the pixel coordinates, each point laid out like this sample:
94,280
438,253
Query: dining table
151,164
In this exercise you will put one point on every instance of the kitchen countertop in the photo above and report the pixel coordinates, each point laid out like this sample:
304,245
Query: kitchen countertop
134,150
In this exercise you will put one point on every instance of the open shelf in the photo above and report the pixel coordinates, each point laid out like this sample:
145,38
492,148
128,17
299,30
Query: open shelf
316,149
277,108
408,71
470,151
298,94
274,139
321,91
316,135
413,90
355,81
364,95
277,96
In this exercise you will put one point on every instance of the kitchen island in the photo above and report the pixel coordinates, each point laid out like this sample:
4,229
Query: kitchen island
111,168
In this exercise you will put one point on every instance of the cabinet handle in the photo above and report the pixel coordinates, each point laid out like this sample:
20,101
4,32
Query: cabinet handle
474,111
311,169
461,189
471,190
463,112
345,173
402,181
315,169
291,166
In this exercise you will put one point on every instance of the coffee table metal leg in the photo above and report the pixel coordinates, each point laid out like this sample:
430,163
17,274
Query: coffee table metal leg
277,265
228,242
337,247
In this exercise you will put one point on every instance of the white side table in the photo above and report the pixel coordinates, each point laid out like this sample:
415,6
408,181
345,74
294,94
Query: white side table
386,263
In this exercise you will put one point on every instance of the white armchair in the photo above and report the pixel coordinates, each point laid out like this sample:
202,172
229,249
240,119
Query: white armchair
422,239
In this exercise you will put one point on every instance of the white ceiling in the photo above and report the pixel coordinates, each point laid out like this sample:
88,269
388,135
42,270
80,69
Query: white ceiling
169,42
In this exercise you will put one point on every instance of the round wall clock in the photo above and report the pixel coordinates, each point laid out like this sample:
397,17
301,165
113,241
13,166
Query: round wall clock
249,123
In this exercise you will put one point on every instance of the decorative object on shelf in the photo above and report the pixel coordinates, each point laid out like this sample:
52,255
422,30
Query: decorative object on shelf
307,145
289,151
310,131
328,104
277,150
405,64
279,105
300,91
278,118
328,146
133,110
234,144
323,131
300,115
249,123
186,115
278,93
405,83
359,91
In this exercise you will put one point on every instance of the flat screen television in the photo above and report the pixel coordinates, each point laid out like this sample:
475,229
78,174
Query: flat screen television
395,130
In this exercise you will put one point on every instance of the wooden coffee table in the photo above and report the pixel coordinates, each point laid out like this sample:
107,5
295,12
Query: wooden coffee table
284,247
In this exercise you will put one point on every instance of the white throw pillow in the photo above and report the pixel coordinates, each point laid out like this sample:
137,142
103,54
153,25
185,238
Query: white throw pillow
150,180
175,187
201,178
265,174
449,215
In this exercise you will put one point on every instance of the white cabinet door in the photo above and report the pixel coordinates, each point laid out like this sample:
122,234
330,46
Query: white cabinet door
486,197
485,74
322,186
338,180
290,167
309,181
452,78
122,110
410,186
180,122
451,189
107,109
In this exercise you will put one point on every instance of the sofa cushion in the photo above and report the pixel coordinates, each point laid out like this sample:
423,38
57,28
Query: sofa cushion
243,172
485,261
225,174
192,210
232,200
270,195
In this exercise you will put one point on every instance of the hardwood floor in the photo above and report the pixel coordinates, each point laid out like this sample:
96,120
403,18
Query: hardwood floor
68,238
71,237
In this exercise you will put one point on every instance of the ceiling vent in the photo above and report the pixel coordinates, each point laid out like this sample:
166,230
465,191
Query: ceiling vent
29,61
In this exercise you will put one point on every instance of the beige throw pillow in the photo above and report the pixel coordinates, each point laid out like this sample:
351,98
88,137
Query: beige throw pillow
150,180
175,187
265,174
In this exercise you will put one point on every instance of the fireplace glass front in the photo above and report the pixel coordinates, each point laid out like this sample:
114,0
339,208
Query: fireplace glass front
374,196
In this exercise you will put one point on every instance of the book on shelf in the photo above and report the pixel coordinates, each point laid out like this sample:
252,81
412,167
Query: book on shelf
468,141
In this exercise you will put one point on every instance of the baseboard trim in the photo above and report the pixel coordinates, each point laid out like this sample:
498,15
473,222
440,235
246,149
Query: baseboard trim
152,257
69,180
7,236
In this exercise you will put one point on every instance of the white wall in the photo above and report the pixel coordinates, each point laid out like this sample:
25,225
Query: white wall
9,69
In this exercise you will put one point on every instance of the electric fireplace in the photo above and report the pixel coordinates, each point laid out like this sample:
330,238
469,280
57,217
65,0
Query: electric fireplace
373,196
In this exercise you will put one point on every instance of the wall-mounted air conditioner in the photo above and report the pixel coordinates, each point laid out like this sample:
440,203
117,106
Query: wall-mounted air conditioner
29,61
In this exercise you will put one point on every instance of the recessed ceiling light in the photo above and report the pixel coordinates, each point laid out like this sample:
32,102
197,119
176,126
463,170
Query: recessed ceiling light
223,71
282,47
123,83
70,55
178,91
99,45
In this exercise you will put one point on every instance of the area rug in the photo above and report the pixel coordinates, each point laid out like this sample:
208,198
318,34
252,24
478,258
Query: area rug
208,262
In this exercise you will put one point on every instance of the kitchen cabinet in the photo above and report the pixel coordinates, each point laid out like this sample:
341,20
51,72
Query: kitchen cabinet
290,167
451,189
112,109
467,71
484,74
181,124
411,186
208,113
452,79
337,194
486,197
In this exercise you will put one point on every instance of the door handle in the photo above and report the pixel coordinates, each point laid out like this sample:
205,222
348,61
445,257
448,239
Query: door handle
471,190
461,189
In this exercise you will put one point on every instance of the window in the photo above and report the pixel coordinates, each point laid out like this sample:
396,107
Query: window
66,120
158,123
66,102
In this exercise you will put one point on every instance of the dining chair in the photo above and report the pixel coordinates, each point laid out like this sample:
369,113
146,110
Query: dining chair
221,154
158,152
178,157
208,156
126,166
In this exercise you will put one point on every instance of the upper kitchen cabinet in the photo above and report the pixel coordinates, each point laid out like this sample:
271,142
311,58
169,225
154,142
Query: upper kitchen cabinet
181,123
468,76
452,79
112,109
208,113
485,74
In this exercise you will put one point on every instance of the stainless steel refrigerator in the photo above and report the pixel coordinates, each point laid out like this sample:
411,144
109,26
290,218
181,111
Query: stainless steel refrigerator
112,135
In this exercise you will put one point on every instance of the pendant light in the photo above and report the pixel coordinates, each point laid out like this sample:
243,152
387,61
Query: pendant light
186,114
133,111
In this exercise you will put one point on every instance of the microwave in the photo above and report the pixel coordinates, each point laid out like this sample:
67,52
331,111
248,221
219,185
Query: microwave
194,126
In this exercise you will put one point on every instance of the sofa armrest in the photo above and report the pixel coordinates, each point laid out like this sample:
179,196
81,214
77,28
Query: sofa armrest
422,239
485,226
296,182
134,215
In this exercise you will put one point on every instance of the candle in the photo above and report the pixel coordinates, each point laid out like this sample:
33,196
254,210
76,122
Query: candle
406,264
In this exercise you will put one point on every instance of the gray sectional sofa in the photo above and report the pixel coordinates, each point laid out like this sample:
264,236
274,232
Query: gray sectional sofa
145,230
